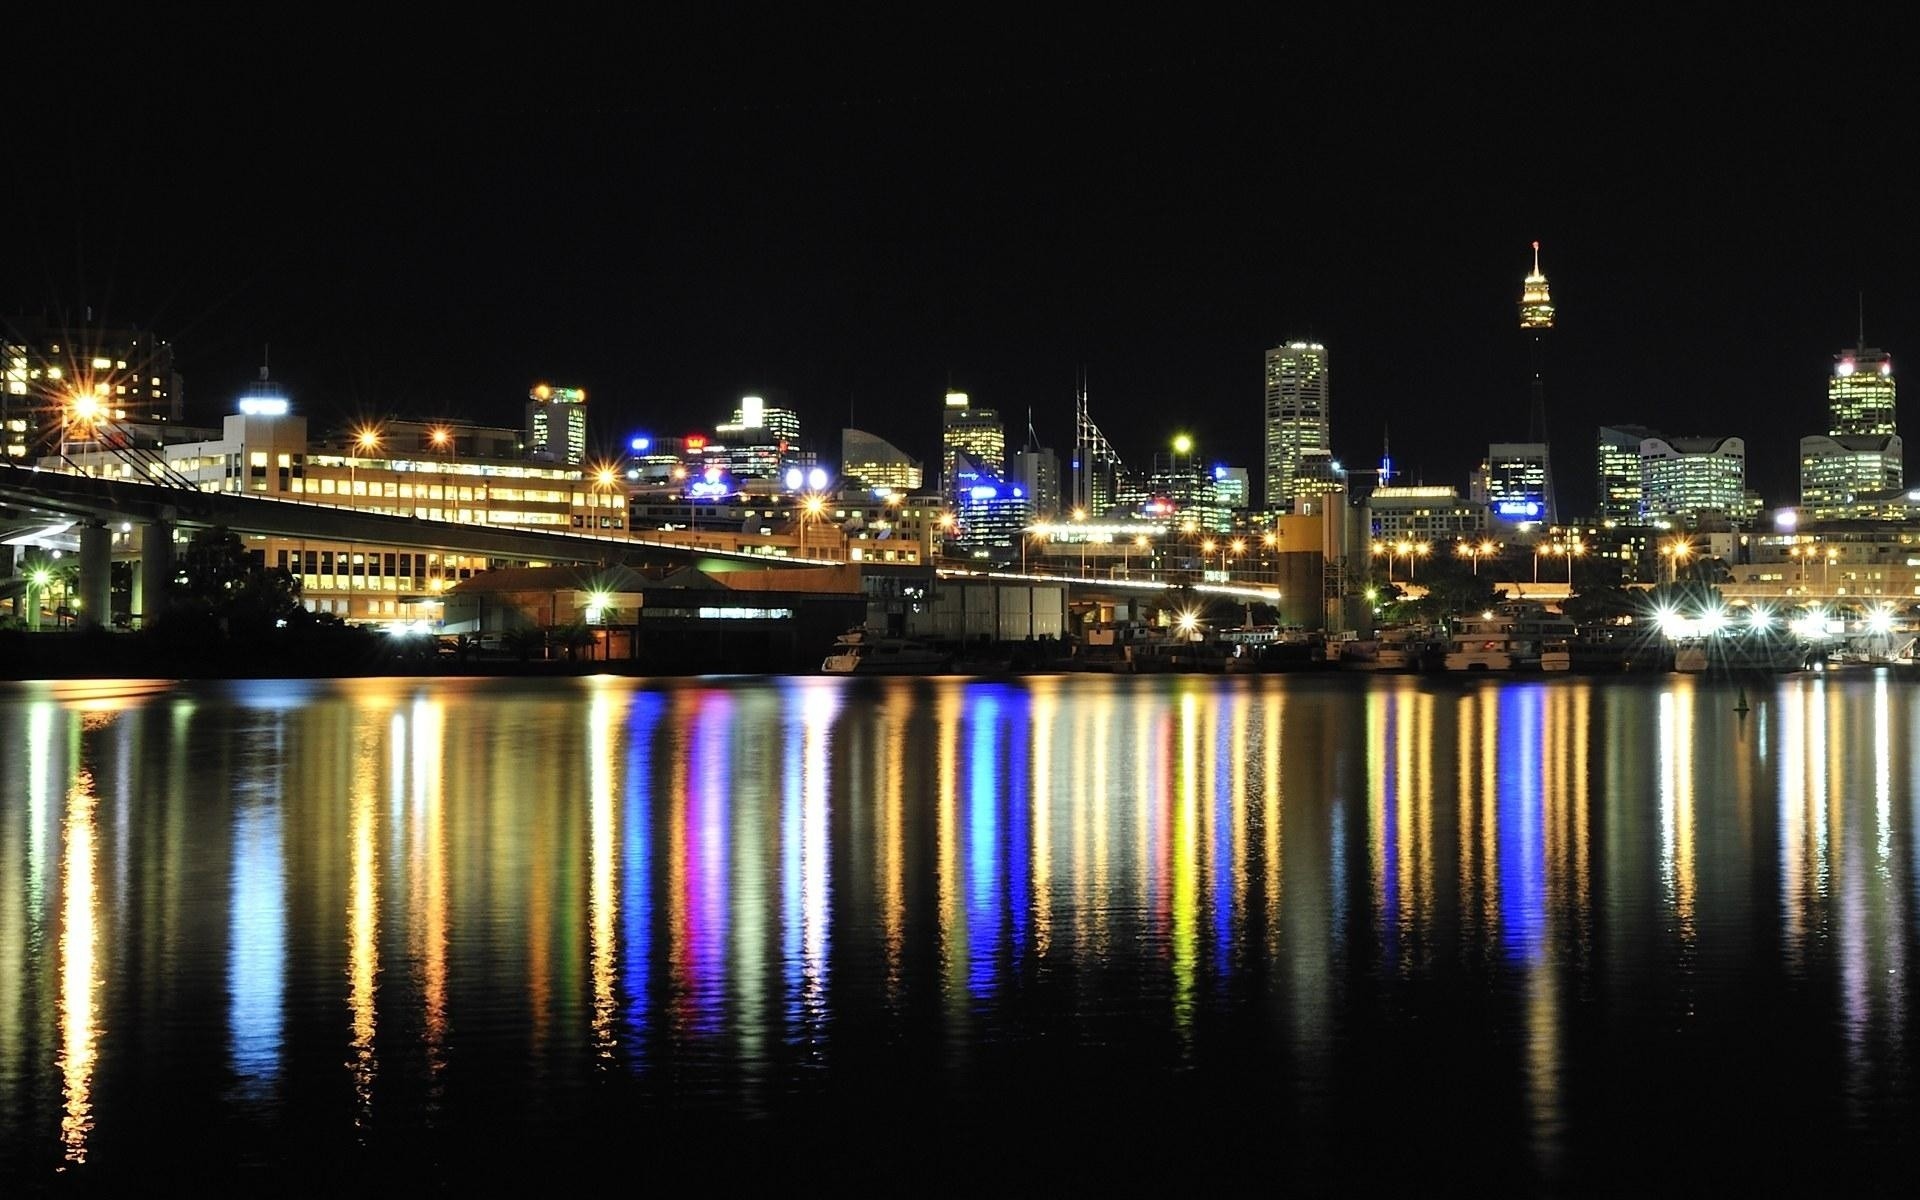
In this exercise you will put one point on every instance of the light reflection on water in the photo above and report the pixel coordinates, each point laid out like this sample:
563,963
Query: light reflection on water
466,900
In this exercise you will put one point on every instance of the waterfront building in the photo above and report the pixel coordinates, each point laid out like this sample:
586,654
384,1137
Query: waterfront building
1860,394
557,424
1684,479
878,463
975,433
1842,475
1434,514
1295,416
76,382
1619,491
760,442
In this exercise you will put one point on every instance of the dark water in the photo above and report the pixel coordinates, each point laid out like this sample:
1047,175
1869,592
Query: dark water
1554,936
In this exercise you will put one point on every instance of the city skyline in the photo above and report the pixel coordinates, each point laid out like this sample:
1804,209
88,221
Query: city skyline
847,239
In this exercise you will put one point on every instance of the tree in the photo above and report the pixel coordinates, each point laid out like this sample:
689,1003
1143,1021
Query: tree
1603,605
217,576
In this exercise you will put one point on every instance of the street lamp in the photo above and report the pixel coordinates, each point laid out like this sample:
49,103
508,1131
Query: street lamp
1080,517
810,511
1380,548
1206,549
1238,547
1572,550
365,440
442,439
1416,548
1677,551
1474,551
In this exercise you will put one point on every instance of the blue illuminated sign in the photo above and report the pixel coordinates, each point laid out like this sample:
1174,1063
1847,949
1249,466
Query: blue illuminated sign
641,443
1518,508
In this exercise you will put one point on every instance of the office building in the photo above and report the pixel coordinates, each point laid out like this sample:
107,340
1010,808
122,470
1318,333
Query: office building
1685,479
557,424
1232,488
1618,494
80,383
1514,482
1860,394
990,513
877,463
975,433
1295,416
760,442
1438,515
1841,473
1036,471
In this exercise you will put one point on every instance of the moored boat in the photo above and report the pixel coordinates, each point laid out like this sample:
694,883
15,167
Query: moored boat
859,652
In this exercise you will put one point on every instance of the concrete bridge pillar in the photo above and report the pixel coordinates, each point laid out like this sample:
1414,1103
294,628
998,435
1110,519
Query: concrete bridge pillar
156,570
96,575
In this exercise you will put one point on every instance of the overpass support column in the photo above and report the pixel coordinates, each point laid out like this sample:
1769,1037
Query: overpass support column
156,569
96,575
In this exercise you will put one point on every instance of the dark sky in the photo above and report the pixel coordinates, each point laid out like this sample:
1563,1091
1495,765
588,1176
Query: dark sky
842,214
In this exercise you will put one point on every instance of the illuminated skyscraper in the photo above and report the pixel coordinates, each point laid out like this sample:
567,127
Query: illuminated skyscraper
1682,479
1296,415
557,424
1536,320
1860,394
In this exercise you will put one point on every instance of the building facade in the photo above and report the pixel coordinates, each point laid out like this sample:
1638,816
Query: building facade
760,442
1036,471
1439,515
1514,483
975,433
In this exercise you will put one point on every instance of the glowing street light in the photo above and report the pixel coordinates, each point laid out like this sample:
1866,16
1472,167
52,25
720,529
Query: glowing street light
1476,551
1676,551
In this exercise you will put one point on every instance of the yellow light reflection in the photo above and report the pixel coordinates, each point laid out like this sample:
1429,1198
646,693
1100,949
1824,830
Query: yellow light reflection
604,714
1676,808
1040,767
79,971
1185,870
363,929
897,713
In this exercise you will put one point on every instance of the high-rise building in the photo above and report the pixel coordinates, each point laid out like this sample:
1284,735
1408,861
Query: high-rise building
1536,321
1180,490
1430,514
1683,479
1619,474
760,442
557,424
991,513
1098,476
974,432
1860,394
1036,471
64,379
1295,416
1840,474
878,463
1231,487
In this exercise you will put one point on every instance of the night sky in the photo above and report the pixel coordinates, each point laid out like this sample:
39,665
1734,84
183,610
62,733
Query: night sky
843,215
